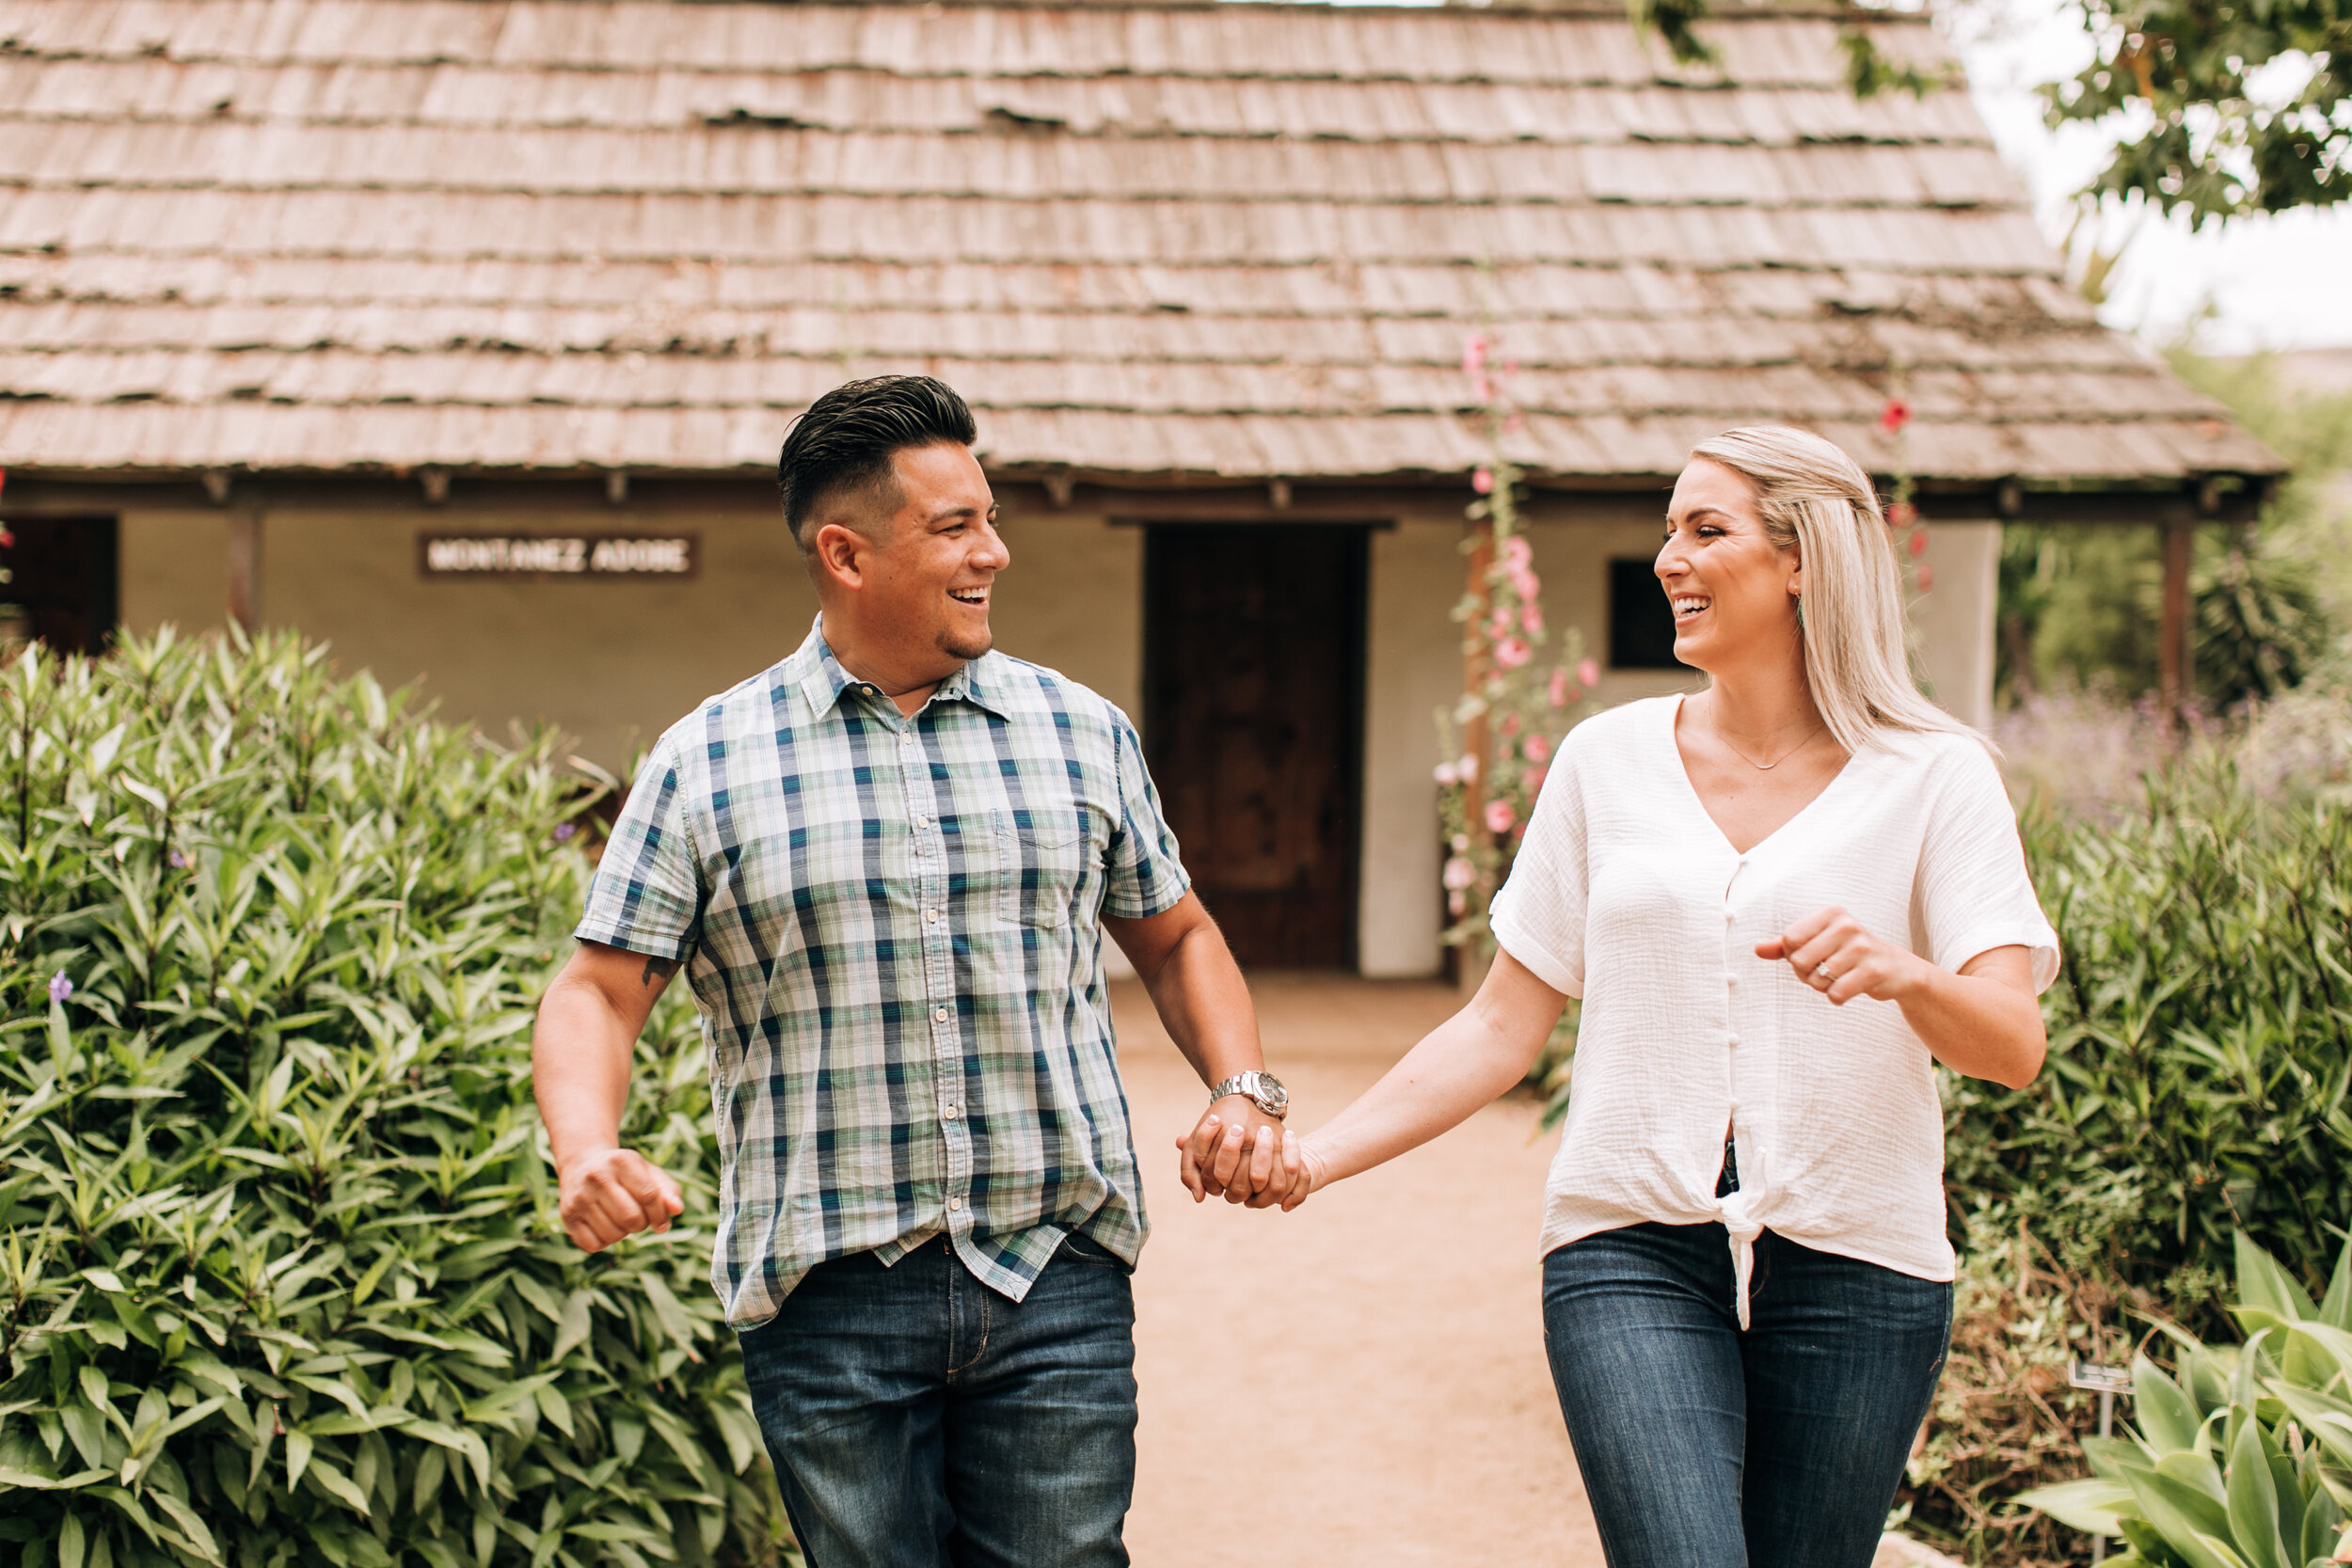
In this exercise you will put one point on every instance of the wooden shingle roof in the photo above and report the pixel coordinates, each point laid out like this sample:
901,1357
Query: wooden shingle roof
1180,239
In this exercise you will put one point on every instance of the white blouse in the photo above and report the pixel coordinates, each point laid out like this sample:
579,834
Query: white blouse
1626,895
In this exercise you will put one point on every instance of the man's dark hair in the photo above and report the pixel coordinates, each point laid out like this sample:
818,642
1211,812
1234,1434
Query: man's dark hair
846,439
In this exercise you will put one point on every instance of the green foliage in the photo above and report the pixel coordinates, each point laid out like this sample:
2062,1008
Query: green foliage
2078,607
2244,1460
2214,107
2200,1032
280,1279
1500,737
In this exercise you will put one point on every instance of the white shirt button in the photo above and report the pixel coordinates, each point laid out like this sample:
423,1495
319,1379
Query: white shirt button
940,1013
930,915
1733,1040
949,1112
955,1206
922,822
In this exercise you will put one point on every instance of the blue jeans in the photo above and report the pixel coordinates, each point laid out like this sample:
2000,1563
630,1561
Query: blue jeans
918,1419
1704,1447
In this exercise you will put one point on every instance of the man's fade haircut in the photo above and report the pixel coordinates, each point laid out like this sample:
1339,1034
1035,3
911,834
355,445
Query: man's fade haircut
847,438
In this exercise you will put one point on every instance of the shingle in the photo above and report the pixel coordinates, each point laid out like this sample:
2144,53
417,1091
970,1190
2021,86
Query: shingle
1223,240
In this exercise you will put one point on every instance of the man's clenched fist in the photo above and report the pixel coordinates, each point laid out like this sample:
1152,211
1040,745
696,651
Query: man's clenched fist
611,1192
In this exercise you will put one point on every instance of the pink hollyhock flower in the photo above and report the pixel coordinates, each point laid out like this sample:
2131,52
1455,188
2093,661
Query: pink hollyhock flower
1483,481
1531,615
1512,652
1927,578
1535,749
1901,515
1918,543
1459,872
8,540
1456,903
1534,777
1588,673
1510,724
1500,815
1466,768
1558,691
1517,552
1460,844
1897,415
1445,775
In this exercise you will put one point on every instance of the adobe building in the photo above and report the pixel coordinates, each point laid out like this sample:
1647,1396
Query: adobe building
463,335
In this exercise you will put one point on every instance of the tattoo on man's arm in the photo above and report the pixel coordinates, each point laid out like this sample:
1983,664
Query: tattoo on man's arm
658,969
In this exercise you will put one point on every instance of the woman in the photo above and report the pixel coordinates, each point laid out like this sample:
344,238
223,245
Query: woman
1780,899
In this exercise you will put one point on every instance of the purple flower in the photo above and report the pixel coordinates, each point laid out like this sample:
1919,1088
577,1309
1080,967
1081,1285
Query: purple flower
59,987
178,861
565,831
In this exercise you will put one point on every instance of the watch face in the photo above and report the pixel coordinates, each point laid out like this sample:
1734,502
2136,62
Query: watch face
1271,1088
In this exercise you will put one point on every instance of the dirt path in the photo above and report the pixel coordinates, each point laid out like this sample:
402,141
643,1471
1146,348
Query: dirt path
1360,1384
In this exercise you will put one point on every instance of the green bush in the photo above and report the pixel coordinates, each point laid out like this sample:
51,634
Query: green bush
2242,1461
2200,1032
280,1279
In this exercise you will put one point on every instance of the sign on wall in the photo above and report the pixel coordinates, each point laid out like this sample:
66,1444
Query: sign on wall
558,555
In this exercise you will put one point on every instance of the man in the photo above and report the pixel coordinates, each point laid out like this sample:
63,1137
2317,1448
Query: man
886,864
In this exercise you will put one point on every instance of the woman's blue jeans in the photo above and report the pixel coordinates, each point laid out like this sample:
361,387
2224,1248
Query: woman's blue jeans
918,1419
1705,1447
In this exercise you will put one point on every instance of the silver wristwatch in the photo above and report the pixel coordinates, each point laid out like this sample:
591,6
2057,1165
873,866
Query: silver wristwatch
1262,1088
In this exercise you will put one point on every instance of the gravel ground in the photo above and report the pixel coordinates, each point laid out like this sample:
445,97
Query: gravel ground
1361,1383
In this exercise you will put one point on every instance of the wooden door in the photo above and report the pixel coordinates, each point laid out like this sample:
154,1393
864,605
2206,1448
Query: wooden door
1253,721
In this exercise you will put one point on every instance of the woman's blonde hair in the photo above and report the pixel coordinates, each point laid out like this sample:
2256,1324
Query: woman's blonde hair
1812,496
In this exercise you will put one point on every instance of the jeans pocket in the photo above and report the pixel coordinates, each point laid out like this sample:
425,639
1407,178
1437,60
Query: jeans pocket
1081,1249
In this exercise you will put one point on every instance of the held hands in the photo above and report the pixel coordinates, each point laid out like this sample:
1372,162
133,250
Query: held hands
1831,953
611,1192
1239,1152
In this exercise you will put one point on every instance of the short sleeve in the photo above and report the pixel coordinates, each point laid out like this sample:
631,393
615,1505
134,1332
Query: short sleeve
1146,876
1538,912
647,896
1972,894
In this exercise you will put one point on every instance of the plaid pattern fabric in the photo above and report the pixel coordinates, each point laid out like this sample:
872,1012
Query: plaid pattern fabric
892,928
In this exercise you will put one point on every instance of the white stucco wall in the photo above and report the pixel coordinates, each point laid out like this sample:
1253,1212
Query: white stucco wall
1414,667
1954,622
1072,600
610,663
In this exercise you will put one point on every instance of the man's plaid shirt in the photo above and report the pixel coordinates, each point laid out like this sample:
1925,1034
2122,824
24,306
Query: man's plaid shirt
892,928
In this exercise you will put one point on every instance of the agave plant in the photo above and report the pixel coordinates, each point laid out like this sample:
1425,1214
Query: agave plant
2244,1460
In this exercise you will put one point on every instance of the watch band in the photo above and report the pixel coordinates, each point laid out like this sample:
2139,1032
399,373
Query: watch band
1261,1088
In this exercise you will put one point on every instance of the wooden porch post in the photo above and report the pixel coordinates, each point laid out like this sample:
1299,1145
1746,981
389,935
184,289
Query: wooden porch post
245,564
2175,663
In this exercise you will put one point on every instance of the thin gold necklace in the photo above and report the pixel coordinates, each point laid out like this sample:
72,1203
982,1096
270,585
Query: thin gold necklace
1768,766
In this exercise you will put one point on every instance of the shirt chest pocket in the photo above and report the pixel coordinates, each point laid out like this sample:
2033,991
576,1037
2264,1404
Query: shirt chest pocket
1041,857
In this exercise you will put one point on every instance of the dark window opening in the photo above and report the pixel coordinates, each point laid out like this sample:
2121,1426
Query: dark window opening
59,581
1641,624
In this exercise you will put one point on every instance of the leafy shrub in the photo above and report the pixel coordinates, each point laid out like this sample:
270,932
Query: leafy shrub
280,1281
2239,1463
2200,1078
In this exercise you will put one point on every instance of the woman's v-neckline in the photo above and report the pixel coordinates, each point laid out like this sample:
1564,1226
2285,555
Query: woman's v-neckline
1691,790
